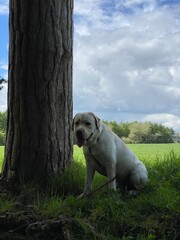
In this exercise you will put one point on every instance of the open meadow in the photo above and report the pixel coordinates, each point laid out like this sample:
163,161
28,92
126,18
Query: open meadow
145,152
153,214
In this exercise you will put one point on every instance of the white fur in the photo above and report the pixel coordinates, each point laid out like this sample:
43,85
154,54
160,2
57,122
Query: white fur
106,153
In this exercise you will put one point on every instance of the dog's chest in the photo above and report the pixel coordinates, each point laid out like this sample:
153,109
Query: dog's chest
98,155
97,162
94,156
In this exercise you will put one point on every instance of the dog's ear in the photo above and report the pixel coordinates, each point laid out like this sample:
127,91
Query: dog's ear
97,120
73,122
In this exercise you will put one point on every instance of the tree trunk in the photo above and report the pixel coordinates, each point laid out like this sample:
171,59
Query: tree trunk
38,140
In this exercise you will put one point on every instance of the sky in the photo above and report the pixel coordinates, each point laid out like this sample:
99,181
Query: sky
126,59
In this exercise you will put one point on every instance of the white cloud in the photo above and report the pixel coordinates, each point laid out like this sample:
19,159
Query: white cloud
3,65
168,120
4,7
127,56
4,68
126,59
3,98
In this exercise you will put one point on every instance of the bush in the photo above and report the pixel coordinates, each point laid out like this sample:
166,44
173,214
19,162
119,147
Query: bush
2,138
3,121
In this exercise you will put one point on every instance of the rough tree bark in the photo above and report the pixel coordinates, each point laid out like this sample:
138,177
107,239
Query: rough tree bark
38,140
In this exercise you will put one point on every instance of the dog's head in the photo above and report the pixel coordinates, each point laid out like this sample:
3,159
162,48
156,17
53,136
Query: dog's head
86,127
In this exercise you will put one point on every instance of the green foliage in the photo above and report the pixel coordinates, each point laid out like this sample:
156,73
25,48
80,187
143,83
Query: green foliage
150,215
5,205
153,214
3,125
142,132
121,129
51,208
1,156
154,152
2,138
3,121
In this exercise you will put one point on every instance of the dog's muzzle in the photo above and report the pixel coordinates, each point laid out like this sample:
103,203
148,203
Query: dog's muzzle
81,140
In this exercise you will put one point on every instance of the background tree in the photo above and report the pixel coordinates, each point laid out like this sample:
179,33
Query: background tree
2,80
142,132
38,141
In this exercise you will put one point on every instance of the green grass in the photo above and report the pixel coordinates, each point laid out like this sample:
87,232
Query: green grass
153,214
147,152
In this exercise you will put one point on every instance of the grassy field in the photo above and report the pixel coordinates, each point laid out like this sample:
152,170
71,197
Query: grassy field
145,152
153,214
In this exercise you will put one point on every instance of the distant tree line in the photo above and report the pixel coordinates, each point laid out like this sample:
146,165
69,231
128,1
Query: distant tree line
142,132
129,132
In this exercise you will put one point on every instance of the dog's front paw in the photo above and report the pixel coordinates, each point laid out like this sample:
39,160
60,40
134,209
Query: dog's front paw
84,194
133,193
81,196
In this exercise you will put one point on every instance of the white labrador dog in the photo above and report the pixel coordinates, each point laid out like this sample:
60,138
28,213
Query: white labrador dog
107,154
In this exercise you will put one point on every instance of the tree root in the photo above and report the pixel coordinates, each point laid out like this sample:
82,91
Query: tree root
60,227
24,225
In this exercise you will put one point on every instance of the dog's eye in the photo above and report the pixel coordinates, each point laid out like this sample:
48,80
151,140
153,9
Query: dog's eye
88,124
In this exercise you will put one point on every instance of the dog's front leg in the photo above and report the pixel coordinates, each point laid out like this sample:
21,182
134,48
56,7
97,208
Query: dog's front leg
111,172
89,178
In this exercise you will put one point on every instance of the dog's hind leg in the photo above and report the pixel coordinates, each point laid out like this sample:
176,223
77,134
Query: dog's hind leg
137,180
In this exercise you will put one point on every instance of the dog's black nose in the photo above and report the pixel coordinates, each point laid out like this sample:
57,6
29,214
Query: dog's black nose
79,134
